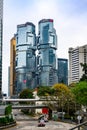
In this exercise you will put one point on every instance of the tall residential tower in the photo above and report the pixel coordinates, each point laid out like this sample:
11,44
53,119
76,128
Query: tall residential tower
1,40
76,56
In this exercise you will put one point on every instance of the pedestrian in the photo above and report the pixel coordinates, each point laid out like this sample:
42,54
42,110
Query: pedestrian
71,119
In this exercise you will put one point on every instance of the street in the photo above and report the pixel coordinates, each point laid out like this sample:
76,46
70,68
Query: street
25,122
32,125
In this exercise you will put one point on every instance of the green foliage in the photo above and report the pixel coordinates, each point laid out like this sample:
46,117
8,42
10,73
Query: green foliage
67,116
84,69
8,110
83,78
57,96
8,118
80,92
61,89
26,94
44,91
72,85
62,95
62,92
5,120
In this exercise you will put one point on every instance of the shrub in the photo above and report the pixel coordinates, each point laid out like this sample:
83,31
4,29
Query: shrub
8,110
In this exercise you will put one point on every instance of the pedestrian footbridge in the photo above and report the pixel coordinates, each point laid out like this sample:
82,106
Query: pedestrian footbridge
28,106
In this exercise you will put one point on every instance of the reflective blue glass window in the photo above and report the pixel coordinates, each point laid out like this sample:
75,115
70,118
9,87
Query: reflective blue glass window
21,59
51,56
45,33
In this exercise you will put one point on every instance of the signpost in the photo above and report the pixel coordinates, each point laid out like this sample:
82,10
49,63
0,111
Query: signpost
79,118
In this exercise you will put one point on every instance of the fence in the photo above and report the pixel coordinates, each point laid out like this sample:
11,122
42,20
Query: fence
80,126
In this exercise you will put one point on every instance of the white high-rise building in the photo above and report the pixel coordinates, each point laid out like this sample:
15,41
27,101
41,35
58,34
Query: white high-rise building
76,56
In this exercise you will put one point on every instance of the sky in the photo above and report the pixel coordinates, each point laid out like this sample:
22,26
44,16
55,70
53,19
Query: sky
70,22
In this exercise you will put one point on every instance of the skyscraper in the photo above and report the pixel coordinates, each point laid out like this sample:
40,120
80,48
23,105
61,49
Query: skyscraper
63,71
12,66
35,58
76,56
46,59
1,41
25,56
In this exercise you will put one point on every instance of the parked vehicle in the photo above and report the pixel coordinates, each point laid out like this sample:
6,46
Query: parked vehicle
41,123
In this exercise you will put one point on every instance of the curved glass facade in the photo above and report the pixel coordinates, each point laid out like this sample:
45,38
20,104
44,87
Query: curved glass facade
35,69
25,56
47,45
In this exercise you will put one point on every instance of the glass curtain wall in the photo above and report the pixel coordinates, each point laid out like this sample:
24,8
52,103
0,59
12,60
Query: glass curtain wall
46,45
25,57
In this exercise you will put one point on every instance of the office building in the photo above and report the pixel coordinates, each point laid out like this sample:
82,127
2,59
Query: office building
76,56
46,59
25,57
1,42
12,66
63,71
33,60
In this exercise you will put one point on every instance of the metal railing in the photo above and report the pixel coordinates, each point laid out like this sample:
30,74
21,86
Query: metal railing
79,126
29,106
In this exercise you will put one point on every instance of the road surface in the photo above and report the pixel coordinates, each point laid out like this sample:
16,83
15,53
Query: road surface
27,123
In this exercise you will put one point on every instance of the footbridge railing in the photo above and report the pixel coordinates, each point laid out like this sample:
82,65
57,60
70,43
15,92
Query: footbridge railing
80,126
29,106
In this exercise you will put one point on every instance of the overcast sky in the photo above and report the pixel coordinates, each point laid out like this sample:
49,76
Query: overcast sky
70,22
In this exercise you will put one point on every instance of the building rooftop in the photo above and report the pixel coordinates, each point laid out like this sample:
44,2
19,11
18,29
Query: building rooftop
24,25
45,20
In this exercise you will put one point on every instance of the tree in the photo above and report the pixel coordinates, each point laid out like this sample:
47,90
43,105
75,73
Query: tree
62,95
44,91
84,69
72,85
8,110
56,95
80,92
26,94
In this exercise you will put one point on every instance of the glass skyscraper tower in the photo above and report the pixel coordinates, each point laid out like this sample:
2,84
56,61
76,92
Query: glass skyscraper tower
1,38
25,56
35,59
63,71
46,59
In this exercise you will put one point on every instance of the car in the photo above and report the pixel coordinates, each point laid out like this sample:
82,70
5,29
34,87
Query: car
41,123
44,117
